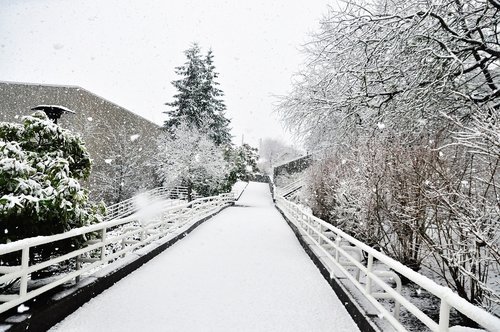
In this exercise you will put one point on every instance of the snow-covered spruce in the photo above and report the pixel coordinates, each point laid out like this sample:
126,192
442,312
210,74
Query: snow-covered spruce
198,102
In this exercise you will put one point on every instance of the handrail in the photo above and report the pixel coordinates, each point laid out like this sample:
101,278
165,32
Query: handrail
315,228
291,187
127,207
110,243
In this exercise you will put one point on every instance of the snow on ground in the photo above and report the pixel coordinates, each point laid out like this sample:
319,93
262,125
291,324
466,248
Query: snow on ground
243,270
238,187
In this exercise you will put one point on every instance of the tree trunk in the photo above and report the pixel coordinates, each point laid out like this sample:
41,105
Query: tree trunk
189,191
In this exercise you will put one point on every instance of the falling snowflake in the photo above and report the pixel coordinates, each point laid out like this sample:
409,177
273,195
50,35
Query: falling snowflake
22,308
108,161
90,119
134,137
380,125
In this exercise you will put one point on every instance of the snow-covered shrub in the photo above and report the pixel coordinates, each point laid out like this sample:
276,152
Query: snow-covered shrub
243,163
336,192
40,165
320,186
402,176
465,237
190,158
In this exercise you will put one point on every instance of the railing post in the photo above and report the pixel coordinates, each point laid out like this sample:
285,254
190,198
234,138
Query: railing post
444,316
144,234
25,258
337,246
369,268
78,267
296,216
397,305
103,247
320,239
123,245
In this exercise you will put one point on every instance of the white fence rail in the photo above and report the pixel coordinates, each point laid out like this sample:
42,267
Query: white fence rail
128,206
109,241
290,188
331,242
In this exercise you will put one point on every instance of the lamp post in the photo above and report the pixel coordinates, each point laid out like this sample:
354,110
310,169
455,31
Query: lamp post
53,112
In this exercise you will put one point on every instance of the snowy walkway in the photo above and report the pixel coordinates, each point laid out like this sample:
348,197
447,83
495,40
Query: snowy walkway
243,270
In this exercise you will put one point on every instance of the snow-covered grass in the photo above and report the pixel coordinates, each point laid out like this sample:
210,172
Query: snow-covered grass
241,271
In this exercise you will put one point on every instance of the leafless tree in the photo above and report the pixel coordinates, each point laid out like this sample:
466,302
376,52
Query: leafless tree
407,94
126,167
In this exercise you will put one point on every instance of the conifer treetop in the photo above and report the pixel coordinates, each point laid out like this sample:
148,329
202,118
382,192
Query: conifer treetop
198,101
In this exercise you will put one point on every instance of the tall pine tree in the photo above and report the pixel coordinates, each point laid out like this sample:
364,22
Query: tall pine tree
198,102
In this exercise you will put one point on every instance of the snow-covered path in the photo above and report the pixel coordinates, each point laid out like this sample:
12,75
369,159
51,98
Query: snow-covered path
243,270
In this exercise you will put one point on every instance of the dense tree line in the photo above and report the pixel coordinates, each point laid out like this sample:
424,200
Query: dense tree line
404,99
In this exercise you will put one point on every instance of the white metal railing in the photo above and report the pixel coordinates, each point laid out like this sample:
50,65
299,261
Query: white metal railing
290,188
327,239
111,240
128,206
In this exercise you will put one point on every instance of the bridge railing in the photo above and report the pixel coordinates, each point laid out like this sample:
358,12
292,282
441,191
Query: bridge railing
345,253
106,242
128,206
290,188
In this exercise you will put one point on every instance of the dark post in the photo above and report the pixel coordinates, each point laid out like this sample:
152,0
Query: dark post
54,112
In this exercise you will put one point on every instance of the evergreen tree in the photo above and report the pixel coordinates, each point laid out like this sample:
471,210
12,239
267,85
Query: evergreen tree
218,124
40,165
198,102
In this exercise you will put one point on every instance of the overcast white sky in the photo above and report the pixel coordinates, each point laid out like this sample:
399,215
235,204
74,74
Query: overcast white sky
126,50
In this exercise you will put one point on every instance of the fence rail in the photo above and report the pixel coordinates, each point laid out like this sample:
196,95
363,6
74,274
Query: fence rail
128,206
106,242
345,253
290,188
